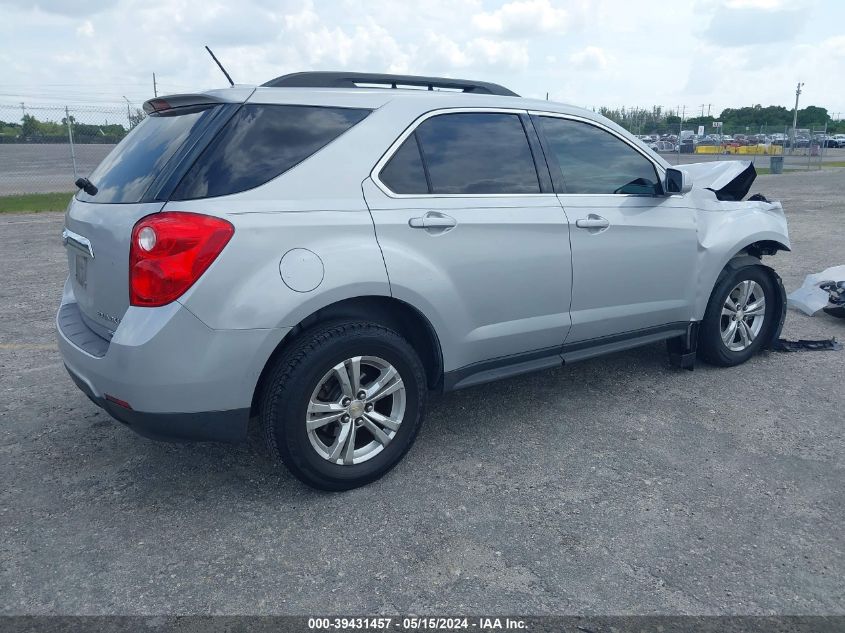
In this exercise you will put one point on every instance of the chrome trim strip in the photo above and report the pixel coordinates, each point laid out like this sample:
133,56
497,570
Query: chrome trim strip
410,130
77,241
660,169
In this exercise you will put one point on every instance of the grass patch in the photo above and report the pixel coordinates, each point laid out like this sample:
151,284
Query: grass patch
34,202
834,163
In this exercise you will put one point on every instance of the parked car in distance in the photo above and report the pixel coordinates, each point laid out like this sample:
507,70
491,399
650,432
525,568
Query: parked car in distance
828,140
321,253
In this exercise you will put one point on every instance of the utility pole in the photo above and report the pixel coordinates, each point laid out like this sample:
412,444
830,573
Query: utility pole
70,139
23,110
795,115
680,130
708,108
155,88
128,113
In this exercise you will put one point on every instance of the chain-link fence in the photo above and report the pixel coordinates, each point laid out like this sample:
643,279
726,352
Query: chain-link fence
683,139
44,148
768,147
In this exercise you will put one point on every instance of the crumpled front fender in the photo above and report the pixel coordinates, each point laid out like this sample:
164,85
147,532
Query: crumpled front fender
727,229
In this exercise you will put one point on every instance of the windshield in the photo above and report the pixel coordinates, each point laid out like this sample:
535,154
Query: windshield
128,171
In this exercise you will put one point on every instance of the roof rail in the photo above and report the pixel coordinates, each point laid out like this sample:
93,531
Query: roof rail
331,79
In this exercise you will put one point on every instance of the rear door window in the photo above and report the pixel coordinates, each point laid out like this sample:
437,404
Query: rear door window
261,142
477,153
127,172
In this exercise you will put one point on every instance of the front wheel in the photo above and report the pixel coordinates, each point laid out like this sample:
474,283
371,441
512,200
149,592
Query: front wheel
739,317
344,404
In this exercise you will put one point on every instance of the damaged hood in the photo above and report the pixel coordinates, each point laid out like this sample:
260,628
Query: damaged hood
729,179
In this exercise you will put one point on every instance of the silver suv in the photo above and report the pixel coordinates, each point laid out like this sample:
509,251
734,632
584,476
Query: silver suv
324,250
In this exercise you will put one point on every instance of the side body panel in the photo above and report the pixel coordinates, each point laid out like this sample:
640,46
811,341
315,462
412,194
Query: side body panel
639,272
496,285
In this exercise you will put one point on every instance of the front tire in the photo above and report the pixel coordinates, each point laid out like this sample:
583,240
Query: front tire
739,317
344,404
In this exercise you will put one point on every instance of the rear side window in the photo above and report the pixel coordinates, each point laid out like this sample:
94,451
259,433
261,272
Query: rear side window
261,142
595,161
129,170
404,172
477,153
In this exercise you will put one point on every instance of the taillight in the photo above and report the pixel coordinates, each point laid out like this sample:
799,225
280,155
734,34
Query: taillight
169,252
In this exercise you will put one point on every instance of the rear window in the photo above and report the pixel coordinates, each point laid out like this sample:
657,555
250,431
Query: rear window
261,142
131,167
477,153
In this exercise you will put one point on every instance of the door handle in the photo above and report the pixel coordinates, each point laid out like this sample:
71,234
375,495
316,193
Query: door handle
433,220
593,221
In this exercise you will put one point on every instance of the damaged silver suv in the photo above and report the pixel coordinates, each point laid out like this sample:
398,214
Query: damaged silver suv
324,250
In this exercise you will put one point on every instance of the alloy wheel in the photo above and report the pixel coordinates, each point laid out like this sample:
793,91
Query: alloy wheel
356,410
743,314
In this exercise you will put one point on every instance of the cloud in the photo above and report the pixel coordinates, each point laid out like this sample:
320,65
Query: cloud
743,25
522,18
724,52
755,4
590,58
440,54
498,54
86,29
62,7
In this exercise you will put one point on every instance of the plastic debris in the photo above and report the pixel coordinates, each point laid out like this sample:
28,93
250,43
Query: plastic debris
836,291
815,294
831,344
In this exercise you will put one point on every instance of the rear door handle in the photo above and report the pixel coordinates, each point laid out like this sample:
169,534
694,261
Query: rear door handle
593,221
433,220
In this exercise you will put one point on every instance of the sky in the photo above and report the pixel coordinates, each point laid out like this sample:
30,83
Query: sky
697,54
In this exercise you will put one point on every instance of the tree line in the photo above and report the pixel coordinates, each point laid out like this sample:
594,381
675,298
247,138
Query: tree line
32,130
752,119
657,120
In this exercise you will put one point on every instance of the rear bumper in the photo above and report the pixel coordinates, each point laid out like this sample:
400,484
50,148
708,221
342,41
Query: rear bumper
209,426
181,379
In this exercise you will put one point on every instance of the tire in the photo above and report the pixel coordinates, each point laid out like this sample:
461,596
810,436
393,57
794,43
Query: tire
716,344
304,388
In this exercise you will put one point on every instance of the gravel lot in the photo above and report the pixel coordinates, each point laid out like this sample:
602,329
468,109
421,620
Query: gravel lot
618,485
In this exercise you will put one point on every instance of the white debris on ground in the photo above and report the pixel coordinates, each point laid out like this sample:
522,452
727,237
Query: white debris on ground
809,298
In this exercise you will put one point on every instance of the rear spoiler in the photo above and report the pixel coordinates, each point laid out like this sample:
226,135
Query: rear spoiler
237,94
160,104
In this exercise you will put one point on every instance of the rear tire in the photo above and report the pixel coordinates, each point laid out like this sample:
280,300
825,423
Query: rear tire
739,318
344,404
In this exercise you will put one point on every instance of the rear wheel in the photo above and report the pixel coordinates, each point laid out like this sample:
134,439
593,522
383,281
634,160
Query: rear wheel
739,317
344,404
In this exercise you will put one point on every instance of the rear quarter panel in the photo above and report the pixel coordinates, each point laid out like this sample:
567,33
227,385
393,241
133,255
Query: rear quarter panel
317,205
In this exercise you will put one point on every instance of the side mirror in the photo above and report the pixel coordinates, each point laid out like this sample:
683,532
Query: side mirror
677,181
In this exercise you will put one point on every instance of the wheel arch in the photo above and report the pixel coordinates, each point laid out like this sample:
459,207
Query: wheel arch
390,312
750,256
753,247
